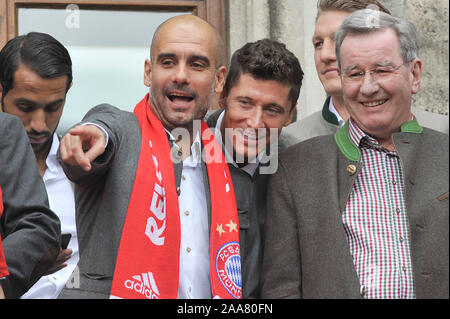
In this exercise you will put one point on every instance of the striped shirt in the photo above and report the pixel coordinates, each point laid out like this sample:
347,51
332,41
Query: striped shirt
376,222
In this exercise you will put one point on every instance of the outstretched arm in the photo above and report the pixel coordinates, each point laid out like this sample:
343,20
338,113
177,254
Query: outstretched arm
87,150
82,145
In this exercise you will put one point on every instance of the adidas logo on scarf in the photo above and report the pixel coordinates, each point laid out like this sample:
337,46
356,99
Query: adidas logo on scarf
144,284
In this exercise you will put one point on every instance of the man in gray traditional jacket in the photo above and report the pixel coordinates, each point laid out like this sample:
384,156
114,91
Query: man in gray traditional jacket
364,213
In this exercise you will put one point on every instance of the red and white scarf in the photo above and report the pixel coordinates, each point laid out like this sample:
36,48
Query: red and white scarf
147,264
3,268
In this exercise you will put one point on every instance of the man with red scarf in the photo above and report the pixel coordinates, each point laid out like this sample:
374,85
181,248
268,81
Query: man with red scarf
157,216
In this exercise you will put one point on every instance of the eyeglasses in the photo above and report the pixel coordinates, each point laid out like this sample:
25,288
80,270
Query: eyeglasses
356,76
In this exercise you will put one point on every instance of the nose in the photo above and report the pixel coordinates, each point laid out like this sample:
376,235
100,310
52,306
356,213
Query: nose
37,121
255,120
181,74
368,85
328,54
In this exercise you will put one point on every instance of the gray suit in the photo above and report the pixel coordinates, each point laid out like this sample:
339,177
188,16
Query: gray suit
306,251
30,231
102,197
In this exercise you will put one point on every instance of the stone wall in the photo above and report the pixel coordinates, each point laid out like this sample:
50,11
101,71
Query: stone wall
292,22
431,20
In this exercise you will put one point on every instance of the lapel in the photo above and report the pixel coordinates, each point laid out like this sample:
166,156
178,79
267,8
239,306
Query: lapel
212,117
326,113
349,164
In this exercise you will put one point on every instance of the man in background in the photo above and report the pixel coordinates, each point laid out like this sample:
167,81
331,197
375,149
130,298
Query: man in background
259,97
330,15
37,74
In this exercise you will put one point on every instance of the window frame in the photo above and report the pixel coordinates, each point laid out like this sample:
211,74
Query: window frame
212,11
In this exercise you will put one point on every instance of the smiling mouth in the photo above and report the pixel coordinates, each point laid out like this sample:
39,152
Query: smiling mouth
330,70
254,137
180,98
374,103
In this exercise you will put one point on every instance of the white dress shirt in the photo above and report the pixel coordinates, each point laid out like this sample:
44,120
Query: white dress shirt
194,278
61,199
335,112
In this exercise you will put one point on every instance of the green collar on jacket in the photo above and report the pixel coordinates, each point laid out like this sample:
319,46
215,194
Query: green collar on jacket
327,114
352,152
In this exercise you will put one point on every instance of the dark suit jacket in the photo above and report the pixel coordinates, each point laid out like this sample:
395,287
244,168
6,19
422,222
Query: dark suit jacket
102,197
306,251
29,229
250,194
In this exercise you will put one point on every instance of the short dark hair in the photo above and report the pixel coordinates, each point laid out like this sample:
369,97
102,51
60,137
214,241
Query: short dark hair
37,51
266,60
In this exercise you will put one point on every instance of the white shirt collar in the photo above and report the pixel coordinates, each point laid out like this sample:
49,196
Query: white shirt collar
335,112
250,168
53,168
196,149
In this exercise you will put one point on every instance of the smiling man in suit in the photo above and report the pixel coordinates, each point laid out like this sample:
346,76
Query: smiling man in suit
148,196
258,100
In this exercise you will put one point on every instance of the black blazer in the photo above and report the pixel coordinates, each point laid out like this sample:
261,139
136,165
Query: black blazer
30,231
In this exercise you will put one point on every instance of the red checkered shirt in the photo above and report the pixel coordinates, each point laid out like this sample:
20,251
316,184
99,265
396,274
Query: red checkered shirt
376,222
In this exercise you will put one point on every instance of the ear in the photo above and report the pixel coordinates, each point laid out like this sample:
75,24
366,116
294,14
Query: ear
416,75
220,79
291,115
222,100
147,73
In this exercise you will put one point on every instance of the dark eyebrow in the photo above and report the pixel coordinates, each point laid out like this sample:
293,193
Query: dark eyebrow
22,100
243,97
265,105
275,105
200,58
33,104
165,55
55,102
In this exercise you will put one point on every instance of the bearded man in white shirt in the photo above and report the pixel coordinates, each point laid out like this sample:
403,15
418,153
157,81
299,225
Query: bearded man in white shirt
38,76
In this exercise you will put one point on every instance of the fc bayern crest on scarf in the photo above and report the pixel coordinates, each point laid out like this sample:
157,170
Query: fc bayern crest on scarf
228,265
